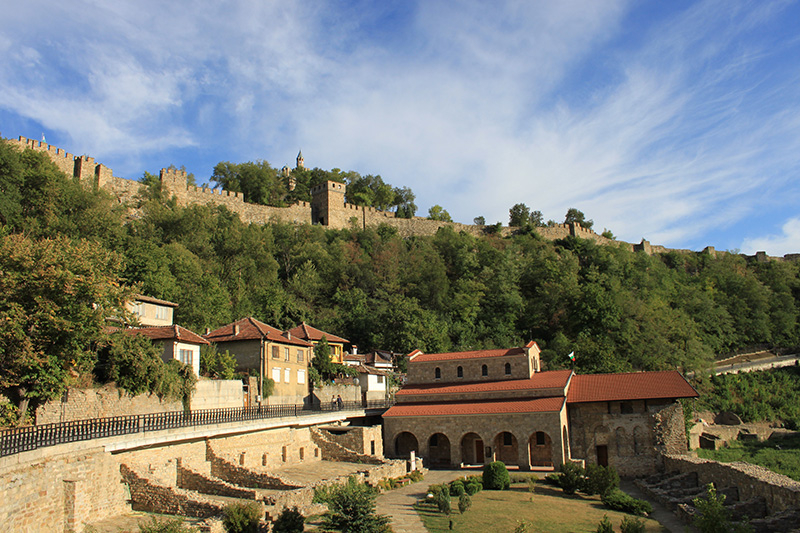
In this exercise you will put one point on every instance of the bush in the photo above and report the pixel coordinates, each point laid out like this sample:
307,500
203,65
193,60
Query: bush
472,487
605,525
599,480
289,521
616,500
464,503
553,479
168,525
570,478
631,525
457,488
495,476
242,518
415,475
351,508
441,497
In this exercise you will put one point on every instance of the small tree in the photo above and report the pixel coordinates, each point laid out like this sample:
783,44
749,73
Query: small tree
242,518
479,221
631,524
437,212
570,477
289,521
712,516
168,525
495,476
599,479
605,525
464,503
351,508
216,364
322,359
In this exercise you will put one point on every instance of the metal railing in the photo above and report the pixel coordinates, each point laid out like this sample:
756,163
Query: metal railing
17,440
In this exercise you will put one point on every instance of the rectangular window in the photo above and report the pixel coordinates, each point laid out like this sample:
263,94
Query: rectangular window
301,376
540,438
287,375
286,354
161,312
507,440
276,352
380,379
276,375
300,356
185,356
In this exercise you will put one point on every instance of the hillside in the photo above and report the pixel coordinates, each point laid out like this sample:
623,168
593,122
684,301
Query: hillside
617,309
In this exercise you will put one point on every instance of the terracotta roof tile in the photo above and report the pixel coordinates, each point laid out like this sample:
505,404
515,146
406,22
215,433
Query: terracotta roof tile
629,386
178,333
310,333
151,300
252,329
418,357
541,380
528,405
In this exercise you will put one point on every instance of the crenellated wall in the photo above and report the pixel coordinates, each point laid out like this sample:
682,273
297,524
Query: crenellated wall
327,207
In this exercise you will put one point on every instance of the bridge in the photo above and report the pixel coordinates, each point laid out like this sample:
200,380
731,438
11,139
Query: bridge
135,431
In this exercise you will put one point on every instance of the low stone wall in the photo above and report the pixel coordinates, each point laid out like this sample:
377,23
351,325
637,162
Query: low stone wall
349,393
780,492
332,451
268,449
148,495
103,402
66,490
360,439
245,477
190,480
218,394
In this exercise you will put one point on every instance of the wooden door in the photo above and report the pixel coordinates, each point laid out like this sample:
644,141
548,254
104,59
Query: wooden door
479,451
602,455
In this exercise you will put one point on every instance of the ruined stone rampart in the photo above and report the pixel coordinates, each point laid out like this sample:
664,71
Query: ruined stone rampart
326,208
148,495
781,492
334,451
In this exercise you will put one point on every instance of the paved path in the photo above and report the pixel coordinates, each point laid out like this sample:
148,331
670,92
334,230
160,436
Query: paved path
665,516
399,503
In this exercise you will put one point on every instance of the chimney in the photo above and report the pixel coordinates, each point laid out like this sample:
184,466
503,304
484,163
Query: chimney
289,335
355,350
208,330
235,329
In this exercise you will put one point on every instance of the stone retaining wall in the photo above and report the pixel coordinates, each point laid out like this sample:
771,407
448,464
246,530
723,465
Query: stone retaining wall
148,495
190,480
238,475
781,492
333,451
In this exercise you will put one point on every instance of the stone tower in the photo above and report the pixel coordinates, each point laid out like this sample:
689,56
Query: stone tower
300,162
327,204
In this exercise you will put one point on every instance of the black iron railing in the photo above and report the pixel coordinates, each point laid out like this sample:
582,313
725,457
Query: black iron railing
23,439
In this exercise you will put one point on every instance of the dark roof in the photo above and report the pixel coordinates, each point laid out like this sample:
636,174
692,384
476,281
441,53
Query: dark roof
252,329
419,357
312,334
541,380
151,300
629,386
526,405
157,333
364,369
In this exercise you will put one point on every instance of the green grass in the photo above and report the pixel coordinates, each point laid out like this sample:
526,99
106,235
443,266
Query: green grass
779,455
547,510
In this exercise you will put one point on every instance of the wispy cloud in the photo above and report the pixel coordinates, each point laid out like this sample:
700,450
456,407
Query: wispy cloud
788,242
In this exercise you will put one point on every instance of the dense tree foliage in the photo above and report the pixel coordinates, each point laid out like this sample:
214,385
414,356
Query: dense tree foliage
617,310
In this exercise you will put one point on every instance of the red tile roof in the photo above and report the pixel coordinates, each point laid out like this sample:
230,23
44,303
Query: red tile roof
528,405
252,329
309,333
540,380
151,300
418,357
630,386
178,333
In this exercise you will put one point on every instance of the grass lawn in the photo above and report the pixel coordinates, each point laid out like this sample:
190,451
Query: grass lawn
779,455
550,511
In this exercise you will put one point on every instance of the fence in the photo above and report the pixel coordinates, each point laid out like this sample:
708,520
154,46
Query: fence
23,439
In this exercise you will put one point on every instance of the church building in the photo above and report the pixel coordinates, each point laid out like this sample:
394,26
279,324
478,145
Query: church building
471,408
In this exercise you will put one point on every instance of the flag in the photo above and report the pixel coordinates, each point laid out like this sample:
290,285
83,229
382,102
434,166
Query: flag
43,140
571,356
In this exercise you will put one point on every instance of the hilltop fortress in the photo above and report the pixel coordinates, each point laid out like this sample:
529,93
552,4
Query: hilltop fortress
327,207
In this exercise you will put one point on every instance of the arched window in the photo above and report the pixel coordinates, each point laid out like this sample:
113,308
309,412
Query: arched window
484,370
460,372
508,369
438,373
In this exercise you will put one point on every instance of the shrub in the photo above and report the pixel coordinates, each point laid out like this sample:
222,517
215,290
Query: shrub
415,475
457,488
441,497
605,525
495,476
570,478
168,525
631,525
464,503
712,516
289,521
599,480
617,500
242,518
553,479
351,508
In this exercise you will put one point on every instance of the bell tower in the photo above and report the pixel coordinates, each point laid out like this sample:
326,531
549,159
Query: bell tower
300,162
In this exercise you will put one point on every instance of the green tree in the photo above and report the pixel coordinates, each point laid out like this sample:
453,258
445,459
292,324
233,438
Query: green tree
437,212
55,298
257,181
495,476
242,517
351,508
404,200
479,221
216,364
574,216
519,215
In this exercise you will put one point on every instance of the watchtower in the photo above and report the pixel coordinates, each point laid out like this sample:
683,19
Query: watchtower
327,204
300,161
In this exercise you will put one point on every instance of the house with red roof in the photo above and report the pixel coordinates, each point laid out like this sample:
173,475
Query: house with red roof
271,354
176,342
314,336
470,408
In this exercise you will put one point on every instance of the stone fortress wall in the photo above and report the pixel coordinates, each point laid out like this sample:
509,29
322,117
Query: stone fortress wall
327,206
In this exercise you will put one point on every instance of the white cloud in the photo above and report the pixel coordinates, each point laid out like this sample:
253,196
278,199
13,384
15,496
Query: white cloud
788,242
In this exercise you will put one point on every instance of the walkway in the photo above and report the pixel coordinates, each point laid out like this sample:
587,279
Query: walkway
399,503
665,516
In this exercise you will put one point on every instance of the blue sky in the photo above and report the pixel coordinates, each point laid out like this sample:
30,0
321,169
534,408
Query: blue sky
673,121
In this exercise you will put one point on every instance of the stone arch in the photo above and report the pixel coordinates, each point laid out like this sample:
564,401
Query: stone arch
473,449
460,372
484,370
437,373
508,369
405,443
439,449
506,448
541,447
